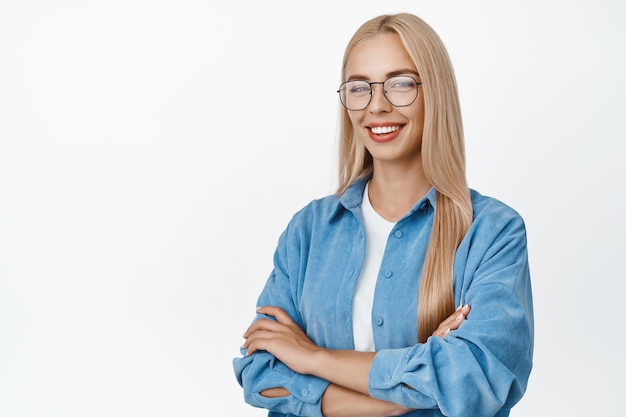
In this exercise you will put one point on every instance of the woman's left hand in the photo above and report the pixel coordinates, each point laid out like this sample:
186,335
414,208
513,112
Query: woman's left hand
453,321
282,338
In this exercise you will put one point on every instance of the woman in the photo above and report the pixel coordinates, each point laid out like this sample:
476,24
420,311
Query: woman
363,279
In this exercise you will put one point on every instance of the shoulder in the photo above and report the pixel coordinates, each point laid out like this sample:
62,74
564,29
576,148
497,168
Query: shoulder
492,216
317,213
495,242
332,207
312,224
492,208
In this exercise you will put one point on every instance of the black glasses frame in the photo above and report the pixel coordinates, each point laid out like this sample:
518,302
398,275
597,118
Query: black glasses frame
341,87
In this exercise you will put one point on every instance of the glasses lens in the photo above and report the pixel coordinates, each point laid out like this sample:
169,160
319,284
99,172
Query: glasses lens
401,91
355,95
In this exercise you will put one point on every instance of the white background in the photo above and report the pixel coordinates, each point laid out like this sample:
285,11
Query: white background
151,152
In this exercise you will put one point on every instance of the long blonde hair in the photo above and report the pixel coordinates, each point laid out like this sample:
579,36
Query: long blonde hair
443,158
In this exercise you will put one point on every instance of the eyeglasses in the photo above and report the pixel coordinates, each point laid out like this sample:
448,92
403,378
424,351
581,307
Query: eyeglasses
400,91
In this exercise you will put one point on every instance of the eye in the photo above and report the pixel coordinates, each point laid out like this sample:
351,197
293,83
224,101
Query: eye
401,83
358,88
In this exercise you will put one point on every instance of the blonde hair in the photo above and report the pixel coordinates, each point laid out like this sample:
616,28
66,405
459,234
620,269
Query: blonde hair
443,158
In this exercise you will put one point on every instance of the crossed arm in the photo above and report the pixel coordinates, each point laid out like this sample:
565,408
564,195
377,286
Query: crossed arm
347,370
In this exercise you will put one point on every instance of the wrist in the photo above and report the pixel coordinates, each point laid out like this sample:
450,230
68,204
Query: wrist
315,361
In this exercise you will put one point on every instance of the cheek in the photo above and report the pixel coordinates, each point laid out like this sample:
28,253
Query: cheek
354,119
417,116
420,110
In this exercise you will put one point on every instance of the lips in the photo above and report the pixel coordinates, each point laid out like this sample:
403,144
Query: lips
381,130
384,133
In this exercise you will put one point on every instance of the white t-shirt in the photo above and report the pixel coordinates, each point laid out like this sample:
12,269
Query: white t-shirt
377,231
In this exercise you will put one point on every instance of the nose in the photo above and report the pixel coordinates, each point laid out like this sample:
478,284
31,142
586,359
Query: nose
378,102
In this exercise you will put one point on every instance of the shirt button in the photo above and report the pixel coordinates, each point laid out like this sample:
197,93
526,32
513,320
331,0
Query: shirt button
398,234
388,274
304,392
387,378
379,321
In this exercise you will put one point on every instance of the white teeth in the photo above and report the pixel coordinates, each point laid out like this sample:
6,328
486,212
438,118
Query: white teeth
384,129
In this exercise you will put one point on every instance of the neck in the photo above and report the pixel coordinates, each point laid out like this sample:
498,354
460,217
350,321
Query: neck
394,190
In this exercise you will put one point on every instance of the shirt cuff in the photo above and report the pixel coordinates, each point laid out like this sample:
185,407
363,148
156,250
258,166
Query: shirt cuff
307,391
386,379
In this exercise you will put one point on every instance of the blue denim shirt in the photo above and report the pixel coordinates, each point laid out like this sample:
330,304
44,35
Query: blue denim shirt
480,369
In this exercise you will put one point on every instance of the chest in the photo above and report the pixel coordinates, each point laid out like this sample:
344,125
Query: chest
329,274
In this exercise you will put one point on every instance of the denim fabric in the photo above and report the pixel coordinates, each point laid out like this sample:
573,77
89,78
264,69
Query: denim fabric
480,369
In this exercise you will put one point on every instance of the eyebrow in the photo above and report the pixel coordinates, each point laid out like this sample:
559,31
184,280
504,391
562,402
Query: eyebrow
389,74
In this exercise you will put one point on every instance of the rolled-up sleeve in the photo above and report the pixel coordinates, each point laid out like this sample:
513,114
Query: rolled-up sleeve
483,366
262,370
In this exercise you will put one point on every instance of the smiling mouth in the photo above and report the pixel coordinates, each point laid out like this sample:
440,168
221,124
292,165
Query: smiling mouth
384,129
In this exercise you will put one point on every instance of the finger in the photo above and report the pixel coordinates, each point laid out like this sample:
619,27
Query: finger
263,340
259,340
276,312
458,317
453,321
262,324
255,344
441,331
459,314
453,318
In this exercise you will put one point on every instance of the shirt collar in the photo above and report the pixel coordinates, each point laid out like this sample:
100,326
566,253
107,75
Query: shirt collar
351,199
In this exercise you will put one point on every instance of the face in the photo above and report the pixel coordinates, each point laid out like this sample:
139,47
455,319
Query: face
391,134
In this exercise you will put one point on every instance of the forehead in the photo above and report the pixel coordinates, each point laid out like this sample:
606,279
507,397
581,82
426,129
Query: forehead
378,57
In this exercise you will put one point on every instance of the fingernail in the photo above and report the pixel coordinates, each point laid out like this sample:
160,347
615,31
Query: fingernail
446,332
459,307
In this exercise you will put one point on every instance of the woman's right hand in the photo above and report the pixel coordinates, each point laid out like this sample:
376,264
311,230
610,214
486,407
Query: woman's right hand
453,322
